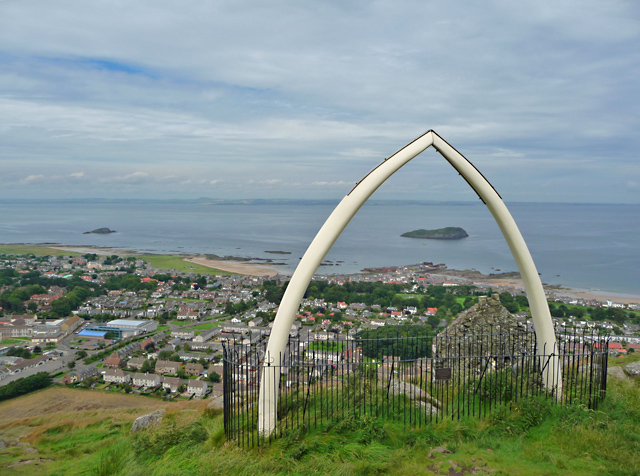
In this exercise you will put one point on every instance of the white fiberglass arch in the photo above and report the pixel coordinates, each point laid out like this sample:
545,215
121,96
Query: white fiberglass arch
337,222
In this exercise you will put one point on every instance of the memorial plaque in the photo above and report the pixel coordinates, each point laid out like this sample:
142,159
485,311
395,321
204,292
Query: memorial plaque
443,374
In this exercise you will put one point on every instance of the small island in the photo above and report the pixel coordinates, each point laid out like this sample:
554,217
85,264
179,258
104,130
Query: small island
100,231
448,233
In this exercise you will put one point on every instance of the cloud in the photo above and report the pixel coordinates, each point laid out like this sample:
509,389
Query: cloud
338,183
269,94
32,179
266,182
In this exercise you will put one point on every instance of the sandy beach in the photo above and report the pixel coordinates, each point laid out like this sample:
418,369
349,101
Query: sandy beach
551,290
235,266
253,269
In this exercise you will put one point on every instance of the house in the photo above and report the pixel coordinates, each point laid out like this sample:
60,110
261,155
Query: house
136,363
24,364
206,335
197,387
117,376
194,369
114,361
167,367
183,334
79,375
145,380
171,383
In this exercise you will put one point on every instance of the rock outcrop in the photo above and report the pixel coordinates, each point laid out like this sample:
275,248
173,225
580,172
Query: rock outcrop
633,369
146,421
100,231
616,372
416,394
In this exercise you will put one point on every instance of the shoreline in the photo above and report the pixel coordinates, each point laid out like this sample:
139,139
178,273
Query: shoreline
232,266
245,266
250,269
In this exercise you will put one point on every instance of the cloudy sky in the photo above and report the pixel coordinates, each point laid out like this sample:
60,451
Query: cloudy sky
300,99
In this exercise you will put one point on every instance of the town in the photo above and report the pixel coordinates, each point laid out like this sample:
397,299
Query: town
117,323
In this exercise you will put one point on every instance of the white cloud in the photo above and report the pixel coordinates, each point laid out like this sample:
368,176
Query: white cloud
32,179
267,93
338,183
266,182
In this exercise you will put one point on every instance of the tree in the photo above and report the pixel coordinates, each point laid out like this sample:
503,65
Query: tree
32,307
215,377
81,354
71,365
147,366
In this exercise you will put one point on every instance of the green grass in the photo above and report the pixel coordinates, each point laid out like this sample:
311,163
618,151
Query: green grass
326,346
36,250
535,437
163,328
207,325
16,340
167,262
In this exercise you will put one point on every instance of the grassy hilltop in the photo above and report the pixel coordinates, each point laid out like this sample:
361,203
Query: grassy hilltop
61,431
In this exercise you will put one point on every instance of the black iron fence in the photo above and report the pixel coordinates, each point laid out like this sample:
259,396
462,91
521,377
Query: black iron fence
411,379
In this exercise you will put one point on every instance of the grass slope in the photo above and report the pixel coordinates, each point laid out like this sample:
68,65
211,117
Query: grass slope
72,432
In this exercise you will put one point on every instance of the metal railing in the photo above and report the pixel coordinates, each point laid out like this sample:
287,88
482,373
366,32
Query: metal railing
410,379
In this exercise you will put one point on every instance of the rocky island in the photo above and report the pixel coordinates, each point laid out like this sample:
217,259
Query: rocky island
448,233
100,231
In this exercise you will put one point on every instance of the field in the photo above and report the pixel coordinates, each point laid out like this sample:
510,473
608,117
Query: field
36,250
70,432
176,262
207,325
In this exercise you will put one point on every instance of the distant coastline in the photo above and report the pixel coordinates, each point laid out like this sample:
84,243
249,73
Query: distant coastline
246,266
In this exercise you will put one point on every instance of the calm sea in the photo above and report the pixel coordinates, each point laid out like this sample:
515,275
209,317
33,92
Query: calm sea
586,246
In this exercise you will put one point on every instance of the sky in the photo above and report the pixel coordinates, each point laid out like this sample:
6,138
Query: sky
300,99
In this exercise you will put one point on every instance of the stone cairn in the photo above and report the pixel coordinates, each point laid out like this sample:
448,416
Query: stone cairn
483,338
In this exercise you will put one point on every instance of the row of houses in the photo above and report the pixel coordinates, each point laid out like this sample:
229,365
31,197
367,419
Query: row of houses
199,388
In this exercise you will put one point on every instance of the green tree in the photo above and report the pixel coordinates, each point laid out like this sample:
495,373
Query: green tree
147,366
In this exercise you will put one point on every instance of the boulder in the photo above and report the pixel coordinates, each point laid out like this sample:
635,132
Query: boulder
216,403
616,372
633,369
415,393
146,421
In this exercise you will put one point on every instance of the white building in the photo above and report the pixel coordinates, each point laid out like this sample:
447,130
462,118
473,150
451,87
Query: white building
133,328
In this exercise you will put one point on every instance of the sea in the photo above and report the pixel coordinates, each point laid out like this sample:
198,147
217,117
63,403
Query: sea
585,246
